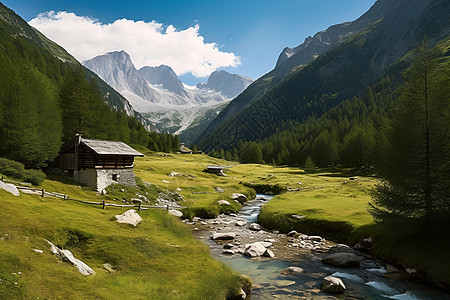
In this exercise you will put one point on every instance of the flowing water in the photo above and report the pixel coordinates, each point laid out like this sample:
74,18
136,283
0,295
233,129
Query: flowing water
366,282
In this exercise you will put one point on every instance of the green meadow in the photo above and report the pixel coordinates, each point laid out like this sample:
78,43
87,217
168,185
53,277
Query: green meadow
160,259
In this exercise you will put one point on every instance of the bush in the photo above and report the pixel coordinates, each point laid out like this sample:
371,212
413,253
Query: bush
35,177
16,170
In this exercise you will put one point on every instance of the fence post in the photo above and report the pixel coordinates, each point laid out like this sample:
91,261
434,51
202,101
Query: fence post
43,193
103,204
139,206
2,177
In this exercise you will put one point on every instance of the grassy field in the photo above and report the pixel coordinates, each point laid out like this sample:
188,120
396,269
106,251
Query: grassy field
158,259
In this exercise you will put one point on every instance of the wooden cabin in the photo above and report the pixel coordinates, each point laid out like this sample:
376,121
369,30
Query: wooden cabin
99,163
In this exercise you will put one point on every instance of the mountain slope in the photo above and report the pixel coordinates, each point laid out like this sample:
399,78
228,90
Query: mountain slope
230,85
46,96
293,92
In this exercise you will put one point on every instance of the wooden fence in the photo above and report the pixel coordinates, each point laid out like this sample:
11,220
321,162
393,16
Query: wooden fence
43,193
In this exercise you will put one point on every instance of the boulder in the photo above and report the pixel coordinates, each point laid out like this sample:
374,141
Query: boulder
332,284
228,246
223,236
292,271
224,202
240,223
129,217
292,233
175,213
10,188
67,256
219,190
228,251
269,253
255,249
241,198
254,227
109,268
341,260
341,248
316,238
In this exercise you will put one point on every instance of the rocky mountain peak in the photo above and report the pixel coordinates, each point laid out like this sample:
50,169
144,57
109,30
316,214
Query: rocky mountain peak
230,85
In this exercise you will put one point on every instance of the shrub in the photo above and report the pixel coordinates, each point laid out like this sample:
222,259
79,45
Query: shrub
35,177
16,170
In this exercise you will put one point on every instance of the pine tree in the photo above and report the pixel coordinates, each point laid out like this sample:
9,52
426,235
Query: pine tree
415,165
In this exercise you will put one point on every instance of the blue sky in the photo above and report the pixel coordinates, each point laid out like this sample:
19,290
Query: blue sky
254,31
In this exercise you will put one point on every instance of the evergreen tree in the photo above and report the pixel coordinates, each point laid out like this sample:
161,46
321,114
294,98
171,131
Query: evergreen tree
415,165
310,166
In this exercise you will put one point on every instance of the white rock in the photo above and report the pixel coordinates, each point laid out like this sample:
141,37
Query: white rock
332,284
255,249
254,226
129,217
175,213
228,251
11,188
66,255
165,181
224,202
239,197
269,253
223,236
38,251
240,223
82,267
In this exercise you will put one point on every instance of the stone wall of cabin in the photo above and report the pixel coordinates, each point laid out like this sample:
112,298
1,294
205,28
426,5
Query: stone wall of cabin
123,176
87,177
99,179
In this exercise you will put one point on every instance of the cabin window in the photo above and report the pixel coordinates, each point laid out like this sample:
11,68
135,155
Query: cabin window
115,177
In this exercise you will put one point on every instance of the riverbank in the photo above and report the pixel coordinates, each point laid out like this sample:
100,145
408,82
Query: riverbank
297,270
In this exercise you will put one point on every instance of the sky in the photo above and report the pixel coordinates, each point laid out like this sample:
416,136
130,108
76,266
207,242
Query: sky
194,37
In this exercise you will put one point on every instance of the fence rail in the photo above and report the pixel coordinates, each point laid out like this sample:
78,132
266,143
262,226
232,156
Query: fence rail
44,193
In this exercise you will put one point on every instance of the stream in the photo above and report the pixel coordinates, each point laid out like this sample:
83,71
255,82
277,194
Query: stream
365,282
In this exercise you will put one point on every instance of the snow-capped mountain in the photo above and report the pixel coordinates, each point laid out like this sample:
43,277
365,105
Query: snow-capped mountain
157,91
230,85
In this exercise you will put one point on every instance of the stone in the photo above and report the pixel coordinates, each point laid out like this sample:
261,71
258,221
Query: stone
241,198
316,238
219,190
175,213
224,202
129,217
394,273
223,236
298,217
38,251
228,246
332,284
10,188
254,227
269,253
109,268
255,249
341,260
341,248
242,294
284,283
228,251
292,271
240,223
67,256
292,233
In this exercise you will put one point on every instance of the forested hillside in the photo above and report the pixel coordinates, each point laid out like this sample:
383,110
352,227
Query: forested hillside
349,133
346,90
46,97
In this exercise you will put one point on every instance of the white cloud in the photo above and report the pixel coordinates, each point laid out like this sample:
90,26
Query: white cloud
148,43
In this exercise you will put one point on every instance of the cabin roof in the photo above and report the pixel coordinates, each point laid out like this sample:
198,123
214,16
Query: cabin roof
103,147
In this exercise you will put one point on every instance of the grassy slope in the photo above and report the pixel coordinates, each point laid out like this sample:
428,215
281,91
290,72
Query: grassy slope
148,267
